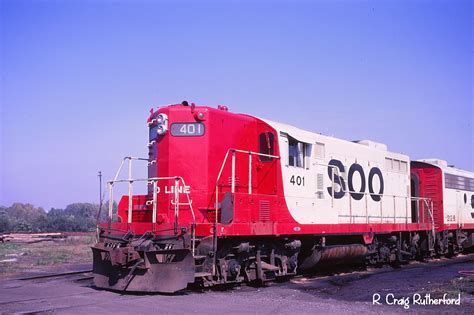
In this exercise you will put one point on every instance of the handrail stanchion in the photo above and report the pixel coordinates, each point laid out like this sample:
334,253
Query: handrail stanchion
250,173
433,228
418,217
394,210
406,210
423,212
366,209
193,225
214,229
350,209
155,201
217,180
176,205
111,203
381,210
332,191
233,172
130,191
429,205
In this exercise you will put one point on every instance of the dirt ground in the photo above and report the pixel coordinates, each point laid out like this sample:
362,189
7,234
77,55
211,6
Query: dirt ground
22,258
323,293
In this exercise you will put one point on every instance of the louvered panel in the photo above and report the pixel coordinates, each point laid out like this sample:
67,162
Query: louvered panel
264,210
237,181
320,181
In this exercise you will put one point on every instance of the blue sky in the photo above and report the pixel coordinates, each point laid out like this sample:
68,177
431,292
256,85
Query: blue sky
79,77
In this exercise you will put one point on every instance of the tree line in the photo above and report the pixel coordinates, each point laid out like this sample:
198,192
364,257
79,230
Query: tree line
76,217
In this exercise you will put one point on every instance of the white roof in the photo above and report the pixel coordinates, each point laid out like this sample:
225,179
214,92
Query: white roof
443,165
312,137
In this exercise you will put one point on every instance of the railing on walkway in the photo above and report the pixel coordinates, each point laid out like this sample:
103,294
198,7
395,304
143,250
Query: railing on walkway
153,181
233,153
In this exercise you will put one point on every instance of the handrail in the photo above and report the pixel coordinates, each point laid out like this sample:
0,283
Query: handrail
347,190
233,151
382,196
154,182
433,228
250,153
130,158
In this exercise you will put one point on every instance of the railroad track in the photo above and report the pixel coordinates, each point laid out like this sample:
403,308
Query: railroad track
347,272
59,275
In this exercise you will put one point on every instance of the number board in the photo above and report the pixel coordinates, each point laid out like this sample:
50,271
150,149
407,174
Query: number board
187,129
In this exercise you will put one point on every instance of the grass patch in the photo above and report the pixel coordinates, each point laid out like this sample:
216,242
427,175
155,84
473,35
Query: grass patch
38,256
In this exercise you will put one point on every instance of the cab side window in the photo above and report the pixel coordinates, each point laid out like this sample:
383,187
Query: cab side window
266,146
296,152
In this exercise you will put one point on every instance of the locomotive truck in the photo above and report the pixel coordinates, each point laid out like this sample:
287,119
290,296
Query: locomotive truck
233,198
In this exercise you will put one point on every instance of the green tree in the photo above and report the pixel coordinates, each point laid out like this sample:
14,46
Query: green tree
25,217
76,217
5,224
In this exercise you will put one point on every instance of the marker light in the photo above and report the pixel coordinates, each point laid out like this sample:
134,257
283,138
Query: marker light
200,116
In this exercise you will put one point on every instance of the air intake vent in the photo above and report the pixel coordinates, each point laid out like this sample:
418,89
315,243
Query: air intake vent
320,179
320,186
264,210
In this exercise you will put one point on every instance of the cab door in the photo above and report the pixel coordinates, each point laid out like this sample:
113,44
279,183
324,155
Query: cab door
265,166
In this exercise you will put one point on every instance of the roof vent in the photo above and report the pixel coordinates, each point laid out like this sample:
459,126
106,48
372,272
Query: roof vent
372,144
223,107
436,161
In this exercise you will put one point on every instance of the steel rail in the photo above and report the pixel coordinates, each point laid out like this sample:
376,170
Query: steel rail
62,274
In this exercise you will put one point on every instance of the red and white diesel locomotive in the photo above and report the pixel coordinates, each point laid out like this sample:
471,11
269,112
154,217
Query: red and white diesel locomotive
234,198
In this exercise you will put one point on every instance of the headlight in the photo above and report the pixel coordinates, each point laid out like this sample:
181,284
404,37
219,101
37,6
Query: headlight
161,124
161,129
161,119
